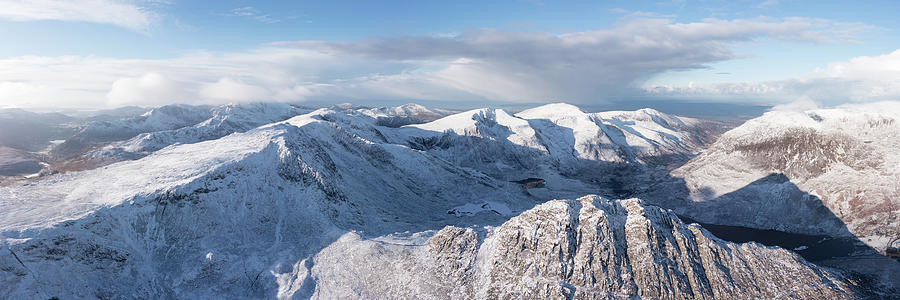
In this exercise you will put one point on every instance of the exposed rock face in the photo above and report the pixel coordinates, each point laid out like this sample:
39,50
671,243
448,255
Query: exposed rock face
591,248
595,248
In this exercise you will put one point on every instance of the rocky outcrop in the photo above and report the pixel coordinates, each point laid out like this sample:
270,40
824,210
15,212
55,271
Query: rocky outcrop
594,248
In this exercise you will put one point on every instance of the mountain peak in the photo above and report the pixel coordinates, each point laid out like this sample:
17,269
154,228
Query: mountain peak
553,110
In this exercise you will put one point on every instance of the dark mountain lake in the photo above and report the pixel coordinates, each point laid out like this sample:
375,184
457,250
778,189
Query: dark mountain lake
811,247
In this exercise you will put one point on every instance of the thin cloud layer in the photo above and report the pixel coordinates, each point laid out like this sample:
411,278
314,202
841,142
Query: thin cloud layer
252,13
122,13
861,79
486,64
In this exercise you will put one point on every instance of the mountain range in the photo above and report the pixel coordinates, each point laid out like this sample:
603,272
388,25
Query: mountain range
283,201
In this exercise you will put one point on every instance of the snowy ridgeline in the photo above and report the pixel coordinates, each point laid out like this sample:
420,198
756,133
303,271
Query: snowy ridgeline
565,132
330,204
325,135
554,129
183,125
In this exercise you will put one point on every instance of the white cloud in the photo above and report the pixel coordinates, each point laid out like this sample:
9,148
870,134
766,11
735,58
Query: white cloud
121,13
768,3
482,64
800,105
255,14
880,107
860,79
583,66
227,89
149,88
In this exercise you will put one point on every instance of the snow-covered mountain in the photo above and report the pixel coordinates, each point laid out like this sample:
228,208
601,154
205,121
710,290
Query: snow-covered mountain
410,110
304,209
97,133
158,119
253,200
103,141
556,139
224,120
330,204
833,171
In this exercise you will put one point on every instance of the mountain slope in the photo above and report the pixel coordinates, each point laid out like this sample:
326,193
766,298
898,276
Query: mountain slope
29,131
839,163
160,118
189,222
97,133
556,139
327,205
411,111
15,162
394,116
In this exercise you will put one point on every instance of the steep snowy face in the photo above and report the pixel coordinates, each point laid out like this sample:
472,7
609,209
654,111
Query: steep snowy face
228,216
651,133
589,139
599,248
590,248
556,136
831,164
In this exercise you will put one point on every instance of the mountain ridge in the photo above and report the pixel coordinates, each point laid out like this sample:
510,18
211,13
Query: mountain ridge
330,204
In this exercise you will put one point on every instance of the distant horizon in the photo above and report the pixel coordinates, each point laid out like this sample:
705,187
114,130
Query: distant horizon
688,108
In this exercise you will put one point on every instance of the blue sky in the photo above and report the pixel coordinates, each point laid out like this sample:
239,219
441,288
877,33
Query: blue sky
102,53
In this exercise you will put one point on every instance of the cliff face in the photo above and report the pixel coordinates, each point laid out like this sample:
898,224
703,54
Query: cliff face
597,248
590,248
